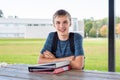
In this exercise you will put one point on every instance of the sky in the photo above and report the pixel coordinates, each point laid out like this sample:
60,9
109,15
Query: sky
44,9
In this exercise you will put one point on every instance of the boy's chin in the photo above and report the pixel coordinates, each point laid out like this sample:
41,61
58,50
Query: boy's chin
63,34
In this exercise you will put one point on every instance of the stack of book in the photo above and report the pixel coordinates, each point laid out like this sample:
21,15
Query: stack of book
51,67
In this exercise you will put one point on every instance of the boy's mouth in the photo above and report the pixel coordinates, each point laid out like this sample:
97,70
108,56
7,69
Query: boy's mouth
62,30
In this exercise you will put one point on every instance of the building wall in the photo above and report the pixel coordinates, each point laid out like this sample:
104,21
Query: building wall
81,27
11,31
32,28
38,31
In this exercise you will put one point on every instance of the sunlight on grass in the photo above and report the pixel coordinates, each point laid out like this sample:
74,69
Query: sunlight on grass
27,50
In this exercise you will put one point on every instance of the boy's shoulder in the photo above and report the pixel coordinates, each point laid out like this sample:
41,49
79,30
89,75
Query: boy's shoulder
76,34
51,34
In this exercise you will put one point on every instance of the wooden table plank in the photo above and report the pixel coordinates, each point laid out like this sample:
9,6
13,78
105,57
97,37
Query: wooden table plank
20,72
77,73
106,75
10,78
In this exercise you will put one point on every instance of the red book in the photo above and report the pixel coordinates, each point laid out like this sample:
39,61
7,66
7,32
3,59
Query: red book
51,71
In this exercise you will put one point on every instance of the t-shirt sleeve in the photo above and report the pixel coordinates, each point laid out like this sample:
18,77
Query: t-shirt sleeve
78,42
48,43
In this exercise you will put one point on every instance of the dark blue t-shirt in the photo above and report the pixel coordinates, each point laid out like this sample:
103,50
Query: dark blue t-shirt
63,47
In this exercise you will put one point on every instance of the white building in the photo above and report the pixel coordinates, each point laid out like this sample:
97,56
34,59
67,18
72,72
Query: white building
32,28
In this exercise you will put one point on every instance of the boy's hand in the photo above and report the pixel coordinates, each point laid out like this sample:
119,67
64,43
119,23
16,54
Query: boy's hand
48,54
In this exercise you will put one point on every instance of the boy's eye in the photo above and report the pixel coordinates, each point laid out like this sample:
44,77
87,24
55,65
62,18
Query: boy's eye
65,22
57,22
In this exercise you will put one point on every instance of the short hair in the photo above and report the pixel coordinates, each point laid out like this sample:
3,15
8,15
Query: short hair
61,12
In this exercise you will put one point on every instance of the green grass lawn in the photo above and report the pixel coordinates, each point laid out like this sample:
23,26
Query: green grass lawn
27,51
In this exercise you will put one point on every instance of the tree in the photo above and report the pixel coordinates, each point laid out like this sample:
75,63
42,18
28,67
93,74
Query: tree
118,28
104,31
117,20
118,31
102,22
92,32
88,26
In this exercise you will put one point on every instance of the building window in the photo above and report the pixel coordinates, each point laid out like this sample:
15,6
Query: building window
35,24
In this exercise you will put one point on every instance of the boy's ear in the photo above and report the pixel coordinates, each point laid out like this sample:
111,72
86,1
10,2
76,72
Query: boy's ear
53,25
70,24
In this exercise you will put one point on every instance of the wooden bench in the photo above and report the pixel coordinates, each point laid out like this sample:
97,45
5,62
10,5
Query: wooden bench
20,72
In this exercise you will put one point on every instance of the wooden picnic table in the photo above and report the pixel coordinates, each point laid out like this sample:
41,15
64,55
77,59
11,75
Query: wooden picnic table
20,72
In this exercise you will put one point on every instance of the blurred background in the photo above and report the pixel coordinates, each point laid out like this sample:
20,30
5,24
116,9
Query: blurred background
25,24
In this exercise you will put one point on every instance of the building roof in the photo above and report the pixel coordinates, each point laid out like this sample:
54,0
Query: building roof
23,21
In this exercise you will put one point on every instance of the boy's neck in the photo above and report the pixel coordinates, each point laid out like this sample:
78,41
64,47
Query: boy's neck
63,37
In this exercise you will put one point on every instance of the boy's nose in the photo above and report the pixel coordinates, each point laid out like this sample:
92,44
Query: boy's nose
61,25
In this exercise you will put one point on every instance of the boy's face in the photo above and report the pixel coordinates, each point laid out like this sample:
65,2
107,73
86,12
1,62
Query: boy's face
62,24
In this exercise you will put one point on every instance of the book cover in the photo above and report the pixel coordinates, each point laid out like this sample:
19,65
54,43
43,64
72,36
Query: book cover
56,64
51,70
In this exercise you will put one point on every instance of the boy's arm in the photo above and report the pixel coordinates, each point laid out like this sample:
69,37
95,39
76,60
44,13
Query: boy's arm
49,57
78,62
75,62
